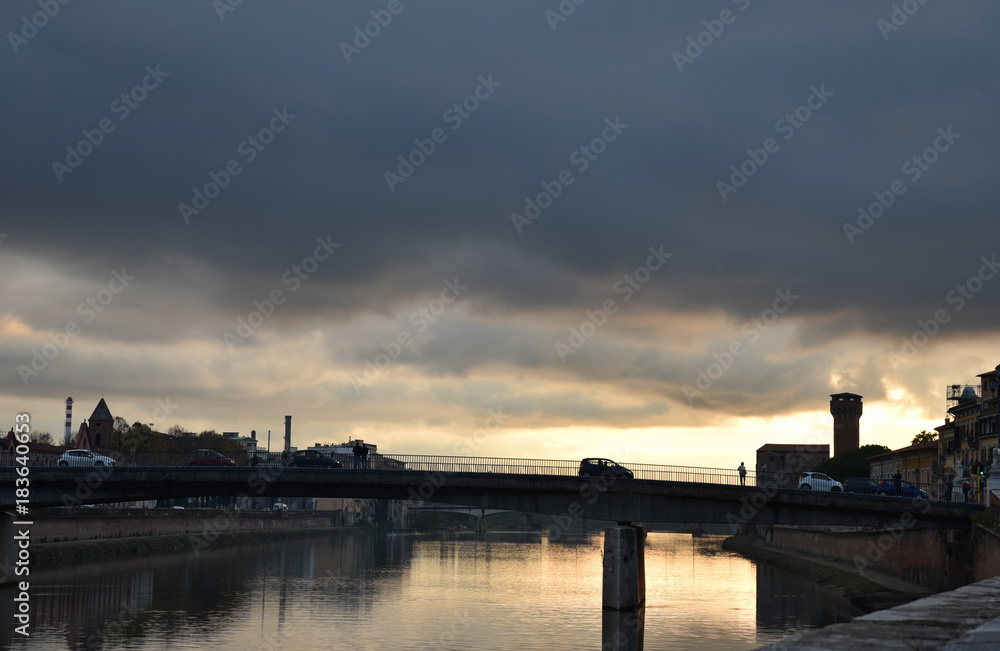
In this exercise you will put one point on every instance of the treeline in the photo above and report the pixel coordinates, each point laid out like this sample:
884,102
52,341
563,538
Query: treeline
139,437
851,463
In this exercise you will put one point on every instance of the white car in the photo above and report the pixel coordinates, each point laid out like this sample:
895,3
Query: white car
84,458
817,481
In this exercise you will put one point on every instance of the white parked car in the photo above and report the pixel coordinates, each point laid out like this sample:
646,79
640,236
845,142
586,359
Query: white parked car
84,458
817,481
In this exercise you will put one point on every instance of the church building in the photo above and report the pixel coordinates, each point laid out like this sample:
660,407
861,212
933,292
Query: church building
95,433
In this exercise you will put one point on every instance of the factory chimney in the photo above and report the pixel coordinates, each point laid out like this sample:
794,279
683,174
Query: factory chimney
288,433
69,421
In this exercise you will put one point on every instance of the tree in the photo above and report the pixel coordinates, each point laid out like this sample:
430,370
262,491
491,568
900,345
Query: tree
177,430
42,437
121,426
212,440
136,437
924,437
851,463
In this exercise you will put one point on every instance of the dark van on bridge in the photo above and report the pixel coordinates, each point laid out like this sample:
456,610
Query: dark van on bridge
312,459
594,467
862,485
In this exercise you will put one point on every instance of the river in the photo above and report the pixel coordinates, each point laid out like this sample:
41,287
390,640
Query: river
360,591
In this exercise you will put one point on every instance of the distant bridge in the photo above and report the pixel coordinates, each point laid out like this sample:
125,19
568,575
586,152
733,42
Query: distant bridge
475,511
658,494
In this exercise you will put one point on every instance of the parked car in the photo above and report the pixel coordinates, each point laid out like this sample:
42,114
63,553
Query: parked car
312,459
861,485
280,507
210,458
84,458
594,467
817,481
888,487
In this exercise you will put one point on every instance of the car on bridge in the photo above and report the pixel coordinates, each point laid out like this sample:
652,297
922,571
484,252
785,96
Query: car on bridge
84,458
819,482
312,459
594,467
862,485
209,458
887,487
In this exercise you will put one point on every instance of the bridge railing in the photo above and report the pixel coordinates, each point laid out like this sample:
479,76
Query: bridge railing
424,463
135,459
408,462
496,465
688,474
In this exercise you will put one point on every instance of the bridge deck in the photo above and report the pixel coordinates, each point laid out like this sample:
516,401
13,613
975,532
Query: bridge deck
554,489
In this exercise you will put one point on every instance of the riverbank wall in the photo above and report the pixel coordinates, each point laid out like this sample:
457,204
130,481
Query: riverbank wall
966,619
92,524
938,559
102,534
986,555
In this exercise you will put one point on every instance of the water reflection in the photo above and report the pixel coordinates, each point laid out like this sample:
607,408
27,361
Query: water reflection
787,603
448,591
623,630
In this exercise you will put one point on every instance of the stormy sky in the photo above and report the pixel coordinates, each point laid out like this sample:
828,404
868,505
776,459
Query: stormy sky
660,232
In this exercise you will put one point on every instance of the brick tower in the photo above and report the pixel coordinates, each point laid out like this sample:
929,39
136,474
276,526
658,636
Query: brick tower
846,410
97,433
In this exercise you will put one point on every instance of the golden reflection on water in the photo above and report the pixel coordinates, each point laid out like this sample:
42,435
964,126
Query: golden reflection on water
442,591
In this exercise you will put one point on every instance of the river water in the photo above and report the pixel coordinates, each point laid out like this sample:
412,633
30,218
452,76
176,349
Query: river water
360,591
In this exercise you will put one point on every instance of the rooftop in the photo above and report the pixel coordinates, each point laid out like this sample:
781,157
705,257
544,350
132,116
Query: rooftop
910,448
101,412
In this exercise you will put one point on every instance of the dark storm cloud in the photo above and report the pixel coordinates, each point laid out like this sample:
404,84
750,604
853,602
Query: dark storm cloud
876,102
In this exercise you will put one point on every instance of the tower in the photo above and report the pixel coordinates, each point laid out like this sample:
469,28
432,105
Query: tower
100,427
846,411
288,433
69,421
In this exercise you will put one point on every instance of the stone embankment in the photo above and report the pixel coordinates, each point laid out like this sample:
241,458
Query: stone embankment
102,534
871,592
901,614
965,619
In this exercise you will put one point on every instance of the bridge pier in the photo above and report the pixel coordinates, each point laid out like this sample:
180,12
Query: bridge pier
624,567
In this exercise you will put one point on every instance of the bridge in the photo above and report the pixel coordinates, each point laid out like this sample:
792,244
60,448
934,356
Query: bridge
656,494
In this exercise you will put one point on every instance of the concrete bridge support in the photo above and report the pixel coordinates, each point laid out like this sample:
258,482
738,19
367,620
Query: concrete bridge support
624,567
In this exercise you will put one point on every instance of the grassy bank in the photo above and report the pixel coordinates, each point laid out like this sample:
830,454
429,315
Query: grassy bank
861,592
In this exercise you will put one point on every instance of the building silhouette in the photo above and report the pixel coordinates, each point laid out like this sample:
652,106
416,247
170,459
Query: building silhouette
781,463
846,411
96,433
